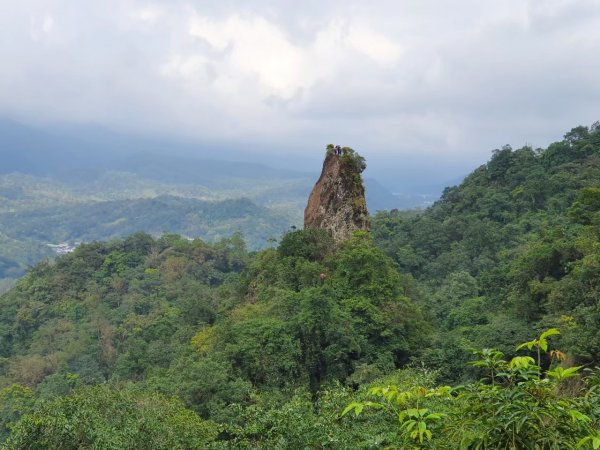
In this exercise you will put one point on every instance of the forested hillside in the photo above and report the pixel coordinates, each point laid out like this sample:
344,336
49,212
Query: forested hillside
27,233
514,247
108,220
170,343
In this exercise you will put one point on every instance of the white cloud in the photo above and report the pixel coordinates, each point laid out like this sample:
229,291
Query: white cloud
440,78
251,46
149,14
40,27
187,67
375,45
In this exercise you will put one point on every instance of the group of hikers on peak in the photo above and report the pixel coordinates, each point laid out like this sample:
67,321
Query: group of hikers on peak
337,150
349,156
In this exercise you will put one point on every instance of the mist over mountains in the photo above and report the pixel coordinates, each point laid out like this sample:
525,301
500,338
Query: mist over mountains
67,185
73,153
80,156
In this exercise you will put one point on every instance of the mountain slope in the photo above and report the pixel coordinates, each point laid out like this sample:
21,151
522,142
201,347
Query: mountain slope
506,250
108,220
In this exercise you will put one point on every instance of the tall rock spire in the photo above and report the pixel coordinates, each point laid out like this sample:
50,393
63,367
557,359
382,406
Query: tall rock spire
337,202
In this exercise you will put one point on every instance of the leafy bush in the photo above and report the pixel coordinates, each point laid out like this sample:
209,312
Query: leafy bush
108,418
518,405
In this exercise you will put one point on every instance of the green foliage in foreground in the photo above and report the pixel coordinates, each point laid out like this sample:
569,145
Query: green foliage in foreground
273,346
104,418
517,406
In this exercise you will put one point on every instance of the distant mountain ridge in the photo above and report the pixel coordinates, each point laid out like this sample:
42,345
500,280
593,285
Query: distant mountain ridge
75,158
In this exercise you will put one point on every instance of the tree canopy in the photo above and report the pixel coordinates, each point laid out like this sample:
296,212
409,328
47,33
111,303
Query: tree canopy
168,342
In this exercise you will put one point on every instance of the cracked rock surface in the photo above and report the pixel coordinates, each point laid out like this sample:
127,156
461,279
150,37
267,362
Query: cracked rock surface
337,201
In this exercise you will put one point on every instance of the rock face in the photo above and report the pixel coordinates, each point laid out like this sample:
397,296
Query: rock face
337,202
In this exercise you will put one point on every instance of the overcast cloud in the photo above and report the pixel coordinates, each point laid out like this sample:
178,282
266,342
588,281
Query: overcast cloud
423,80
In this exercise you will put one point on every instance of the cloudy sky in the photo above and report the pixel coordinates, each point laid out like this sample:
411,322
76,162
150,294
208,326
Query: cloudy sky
417,86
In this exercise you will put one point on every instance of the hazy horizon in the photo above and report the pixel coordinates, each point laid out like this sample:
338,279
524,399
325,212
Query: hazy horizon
424,90
92,145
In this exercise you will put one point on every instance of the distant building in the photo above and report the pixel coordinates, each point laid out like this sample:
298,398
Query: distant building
63,248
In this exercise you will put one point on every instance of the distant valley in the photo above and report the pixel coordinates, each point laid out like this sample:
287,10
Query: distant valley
50,194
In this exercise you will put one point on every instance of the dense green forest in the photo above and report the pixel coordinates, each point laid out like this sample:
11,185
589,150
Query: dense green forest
27,232
107,220
405,337
86,205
